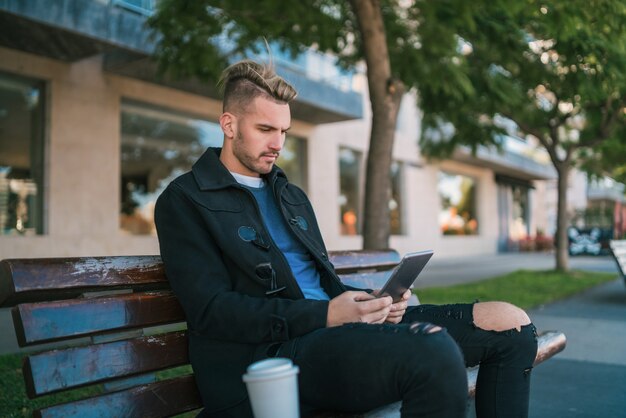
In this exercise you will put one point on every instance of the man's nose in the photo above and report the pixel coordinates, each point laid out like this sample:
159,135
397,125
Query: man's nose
277,141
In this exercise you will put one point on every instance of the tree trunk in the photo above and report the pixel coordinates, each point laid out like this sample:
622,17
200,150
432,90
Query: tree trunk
385,97
562,221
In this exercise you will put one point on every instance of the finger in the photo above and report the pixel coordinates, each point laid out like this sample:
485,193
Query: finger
407,295
376,317
362,296
396,313
375,304
399,306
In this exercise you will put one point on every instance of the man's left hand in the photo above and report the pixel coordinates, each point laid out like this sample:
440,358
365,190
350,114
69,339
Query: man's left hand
397,309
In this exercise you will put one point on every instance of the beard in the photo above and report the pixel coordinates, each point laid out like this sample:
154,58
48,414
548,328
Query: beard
254,163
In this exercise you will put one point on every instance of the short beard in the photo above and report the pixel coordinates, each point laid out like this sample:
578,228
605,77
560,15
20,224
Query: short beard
245,159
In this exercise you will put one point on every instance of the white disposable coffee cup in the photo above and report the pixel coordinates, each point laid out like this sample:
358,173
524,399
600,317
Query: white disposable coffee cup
273,388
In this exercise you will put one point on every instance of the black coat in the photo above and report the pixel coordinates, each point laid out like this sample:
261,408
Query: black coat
212,238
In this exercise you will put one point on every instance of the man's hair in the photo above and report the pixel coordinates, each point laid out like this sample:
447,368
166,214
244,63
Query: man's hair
246,80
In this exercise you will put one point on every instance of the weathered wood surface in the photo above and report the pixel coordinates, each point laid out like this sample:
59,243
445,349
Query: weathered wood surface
61,278
159,399
69,368
51,321
37,279
346,262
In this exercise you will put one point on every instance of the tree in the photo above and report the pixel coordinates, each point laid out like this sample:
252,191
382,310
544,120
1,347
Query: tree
402,43
556,69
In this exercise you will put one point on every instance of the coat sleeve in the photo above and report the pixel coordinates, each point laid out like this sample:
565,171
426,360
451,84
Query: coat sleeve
203,285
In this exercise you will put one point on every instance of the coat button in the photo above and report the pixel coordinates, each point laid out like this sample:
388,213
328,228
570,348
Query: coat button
278,327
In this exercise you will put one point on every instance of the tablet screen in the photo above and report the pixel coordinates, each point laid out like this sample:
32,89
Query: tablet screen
403,276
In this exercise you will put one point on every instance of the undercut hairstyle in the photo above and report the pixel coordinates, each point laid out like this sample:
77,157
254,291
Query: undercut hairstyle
246,80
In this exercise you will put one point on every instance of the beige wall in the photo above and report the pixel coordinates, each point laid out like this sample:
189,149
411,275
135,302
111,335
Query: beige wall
83,167
421,201
82,189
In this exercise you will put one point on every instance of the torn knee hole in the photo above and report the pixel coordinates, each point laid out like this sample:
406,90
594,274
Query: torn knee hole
424,328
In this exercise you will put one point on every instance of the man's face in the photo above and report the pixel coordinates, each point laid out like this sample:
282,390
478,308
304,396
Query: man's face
256,137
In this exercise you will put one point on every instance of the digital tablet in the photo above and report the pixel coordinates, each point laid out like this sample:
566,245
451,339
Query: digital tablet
403,276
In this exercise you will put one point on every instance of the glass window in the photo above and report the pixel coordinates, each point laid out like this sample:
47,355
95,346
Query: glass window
395,204
21,155
292,160
349,198
157,146
457,194
520,228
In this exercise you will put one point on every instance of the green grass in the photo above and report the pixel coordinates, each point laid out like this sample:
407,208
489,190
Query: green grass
526,289
13,400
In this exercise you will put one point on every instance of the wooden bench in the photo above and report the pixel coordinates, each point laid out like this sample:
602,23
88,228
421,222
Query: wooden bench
121,325
618,250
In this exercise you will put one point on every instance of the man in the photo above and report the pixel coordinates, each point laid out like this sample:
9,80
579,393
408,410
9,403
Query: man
244,254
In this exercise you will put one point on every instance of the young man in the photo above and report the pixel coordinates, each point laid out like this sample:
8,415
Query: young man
244,254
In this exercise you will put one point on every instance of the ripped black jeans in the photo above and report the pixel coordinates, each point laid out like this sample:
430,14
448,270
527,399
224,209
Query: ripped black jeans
358,367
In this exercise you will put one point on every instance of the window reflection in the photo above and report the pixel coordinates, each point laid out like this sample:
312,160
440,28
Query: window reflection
519,228
457,194
157,145
292,161
21,155
349,198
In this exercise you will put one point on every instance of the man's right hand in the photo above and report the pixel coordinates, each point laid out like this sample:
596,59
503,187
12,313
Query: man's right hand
354,306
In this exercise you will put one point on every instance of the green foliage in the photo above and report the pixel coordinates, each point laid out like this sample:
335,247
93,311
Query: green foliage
555,68
558,69
551,66
524,288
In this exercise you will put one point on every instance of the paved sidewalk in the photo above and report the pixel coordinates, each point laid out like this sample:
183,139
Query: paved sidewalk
588,379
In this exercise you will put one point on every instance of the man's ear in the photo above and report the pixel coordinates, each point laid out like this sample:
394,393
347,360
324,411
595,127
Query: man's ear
228,124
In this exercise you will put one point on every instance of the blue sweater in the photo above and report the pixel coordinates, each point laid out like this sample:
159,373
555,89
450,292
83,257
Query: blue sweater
298,257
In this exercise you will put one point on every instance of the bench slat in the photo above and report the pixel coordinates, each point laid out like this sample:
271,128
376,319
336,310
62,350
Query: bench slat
56,278
68,368
159,399
30,280
352,261
51,321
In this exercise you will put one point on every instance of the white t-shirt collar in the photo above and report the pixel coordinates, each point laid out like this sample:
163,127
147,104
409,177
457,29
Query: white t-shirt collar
255,182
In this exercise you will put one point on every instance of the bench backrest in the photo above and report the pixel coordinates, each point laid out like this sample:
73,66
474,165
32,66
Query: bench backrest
120,324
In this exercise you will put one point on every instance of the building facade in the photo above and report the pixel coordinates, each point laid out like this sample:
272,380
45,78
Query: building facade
89,136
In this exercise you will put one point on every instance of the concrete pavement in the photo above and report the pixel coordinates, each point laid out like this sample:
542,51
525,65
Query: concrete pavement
588,379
